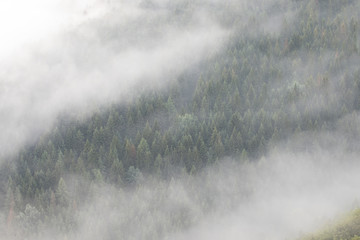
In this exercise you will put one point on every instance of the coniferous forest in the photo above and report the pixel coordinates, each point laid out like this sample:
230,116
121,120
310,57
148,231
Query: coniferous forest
285,70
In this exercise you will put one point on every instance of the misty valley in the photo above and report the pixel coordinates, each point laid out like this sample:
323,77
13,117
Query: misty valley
188,119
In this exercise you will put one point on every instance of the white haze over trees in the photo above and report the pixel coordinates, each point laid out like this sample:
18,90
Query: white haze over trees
282,196
93,60
72,57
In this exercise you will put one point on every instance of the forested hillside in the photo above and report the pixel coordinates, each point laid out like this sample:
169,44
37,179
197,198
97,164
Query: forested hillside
288,68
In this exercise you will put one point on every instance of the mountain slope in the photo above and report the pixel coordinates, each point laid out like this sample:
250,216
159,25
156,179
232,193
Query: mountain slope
282,73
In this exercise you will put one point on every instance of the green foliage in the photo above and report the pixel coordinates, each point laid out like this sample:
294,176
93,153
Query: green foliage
255,92
62,195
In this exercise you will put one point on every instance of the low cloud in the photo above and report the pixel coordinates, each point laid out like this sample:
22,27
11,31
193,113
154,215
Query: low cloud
281,196
108,58
135,46
284,195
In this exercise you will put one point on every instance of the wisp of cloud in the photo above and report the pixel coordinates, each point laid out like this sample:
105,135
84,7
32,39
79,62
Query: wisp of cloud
108,56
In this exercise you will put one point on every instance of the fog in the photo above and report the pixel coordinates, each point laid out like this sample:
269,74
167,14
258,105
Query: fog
293,191
72,57
106,57
84,55
67,57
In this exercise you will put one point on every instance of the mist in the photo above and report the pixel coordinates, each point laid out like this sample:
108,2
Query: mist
288,193
96,60
284,195
90,55
300,186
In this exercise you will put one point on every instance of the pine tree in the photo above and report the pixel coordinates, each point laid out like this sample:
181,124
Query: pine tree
143,155
62,195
